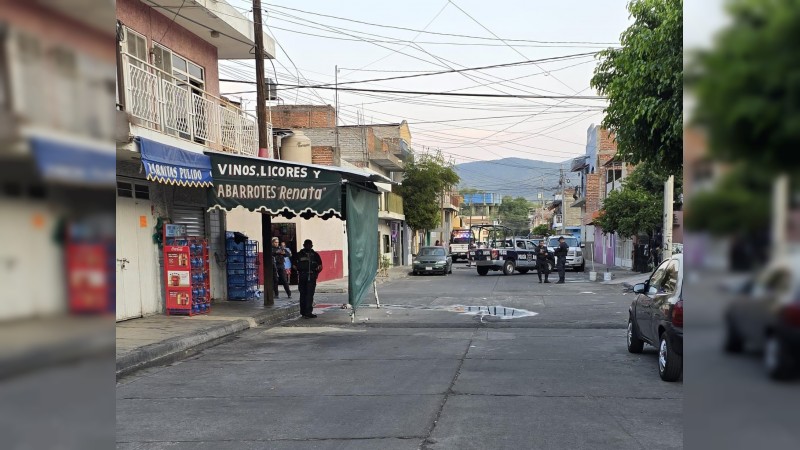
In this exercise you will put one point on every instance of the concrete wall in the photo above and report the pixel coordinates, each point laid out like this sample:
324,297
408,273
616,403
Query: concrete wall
154,25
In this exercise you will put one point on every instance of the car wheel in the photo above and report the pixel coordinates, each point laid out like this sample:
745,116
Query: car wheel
483,271
670,364
776,359
414,273
635,345
523,271
582,267
508,267
733,340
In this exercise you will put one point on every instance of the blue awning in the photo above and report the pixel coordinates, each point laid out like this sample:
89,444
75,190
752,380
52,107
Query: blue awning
72,163
171,165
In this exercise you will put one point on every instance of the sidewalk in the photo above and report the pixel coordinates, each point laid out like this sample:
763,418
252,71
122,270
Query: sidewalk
161,339
619,275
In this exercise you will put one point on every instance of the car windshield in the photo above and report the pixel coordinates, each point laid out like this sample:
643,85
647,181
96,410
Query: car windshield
571,241
432,252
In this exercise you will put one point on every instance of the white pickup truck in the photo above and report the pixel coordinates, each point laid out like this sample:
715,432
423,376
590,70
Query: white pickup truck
460,240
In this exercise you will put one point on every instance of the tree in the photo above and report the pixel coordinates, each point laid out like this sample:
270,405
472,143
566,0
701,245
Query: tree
637,207
737,204
543,230
513,213
425,179
629,212
643,81
747,85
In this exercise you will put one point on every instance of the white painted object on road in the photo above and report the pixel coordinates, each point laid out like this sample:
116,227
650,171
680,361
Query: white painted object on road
607,276
592,276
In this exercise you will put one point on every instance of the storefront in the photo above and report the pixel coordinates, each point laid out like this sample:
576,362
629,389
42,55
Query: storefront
277,188
166,186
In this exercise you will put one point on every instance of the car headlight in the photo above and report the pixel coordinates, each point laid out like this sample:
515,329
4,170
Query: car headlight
579,253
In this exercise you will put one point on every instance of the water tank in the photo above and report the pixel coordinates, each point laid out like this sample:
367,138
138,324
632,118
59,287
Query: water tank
296,148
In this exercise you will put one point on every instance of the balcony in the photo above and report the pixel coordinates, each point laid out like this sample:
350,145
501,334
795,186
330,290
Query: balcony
391,207
163,103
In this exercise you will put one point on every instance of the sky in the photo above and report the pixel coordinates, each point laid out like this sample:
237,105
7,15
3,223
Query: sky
462,128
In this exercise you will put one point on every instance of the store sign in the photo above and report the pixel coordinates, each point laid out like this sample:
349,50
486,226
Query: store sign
264,184
171,165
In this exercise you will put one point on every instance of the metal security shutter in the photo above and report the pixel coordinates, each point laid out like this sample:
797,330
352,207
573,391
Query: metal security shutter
192,216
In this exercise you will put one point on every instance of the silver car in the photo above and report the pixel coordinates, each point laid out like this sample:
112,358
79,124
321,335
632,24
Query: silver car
432,260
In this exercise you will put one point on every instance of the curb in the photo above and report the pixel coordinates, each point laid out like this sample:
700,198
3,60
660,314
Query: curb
98,345
180,347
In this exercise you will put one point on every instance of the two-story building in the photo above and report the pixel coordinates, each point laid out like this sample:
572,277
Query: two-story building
56,164
378,149
169,111
565,218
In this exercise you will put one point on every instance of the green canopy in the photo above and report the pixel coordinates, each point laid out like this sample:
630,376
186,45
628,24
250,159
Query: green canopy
274,186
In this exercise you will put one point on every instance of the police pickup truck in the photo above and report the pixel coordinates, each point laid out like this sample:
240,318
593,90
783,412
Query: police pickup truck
509,255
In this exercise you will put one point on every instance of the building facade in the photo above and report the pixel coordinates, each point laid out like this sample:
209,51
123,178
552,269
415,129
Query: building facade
169,112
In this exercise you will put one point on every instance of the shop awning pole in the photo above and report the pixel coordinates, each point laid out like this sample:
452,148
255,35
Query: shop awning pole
269,267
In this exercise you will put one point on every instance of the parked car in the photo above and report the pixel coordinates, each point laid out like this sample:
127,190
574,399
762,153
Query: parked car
765,316
575,260
432,260
655,317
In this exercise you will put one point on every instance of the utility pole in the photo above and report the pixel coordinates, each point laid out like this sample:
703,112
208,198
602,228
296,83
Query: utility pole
263,152
666,244
336,108
780,203
563,202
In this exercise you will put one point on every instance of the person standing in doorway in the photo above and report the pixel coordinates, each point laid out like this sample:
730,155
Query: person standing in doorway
561,261
279,273
438,244
308,264
287,261
542,266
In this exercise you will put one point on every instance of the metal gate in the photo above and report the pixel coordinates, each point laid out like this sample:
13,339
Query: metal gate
192,216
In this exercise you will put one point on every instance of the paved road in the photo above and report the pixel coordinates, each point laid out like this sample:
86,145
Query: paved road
418,373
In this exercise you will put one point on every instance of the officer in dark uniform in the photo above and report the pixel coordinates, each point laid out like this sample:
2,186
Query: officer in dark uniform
308,264
561,261
542,268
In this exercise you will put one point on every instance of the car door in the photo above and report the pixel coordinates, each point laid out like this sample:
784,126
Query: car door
661,302
756,311
646,299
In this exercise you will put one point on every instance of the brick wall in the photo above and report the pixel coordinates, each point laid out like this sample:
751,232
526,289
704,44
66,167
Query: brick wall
322,155
595,182
153,25
304,116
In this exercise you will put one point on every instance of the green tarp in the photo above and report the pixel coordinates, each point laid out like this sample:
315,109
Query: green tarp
274,186
362,241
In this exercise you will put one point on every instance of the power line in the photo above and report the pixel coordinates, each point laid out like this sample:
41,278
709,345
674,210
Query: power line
456,94
437,33
493,66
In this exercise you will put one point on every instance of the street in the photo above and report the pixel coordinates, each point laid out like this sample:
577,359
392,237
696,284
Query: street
417,373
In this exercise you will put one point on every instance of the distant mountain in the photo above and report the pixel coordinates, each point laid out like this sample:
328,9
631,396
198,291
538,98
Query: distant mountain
516,177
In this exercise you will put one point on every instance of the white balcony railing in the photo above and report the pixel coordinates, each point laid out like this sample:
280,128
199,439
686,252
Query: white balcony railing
164,103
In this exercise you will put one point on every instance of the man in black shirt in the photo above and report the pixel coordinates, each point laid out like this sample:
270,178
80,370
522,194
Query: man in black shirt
308,264
542,267
561,255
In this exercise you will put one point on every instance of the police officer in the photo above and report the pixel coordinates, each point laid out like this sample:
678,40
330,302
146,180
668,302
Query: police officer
561,261
308,264
542,268
279,274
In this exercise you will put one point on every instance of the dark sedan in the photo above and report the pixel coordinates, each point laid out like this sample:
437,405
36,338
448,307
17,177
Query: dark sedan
765,316
432,260
656,317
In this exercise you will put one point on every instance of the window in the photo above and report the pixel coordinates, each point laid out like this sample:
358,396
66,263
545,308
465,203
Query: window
658,278
141,191
670,285
386,247
432,252
135,45
124,190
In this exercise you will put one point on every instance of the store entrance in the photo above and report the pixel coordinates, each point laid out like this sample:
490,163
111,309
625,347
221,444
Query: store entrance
286,232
